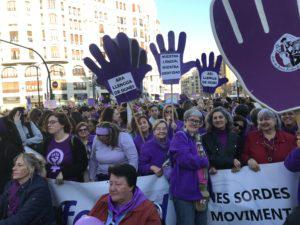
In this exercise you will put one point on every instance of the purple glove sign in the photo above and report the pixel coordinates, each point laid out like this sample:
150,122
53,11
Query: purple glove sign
123,74
170,62
209,75
260,42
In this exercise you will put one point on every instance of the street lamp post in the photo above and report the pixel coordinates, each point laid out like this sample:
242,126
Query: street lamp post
49,88
38,85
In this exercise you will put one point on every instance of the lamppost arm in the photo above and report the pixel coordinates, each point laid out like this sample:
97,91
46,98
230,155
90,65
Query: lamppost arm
31,49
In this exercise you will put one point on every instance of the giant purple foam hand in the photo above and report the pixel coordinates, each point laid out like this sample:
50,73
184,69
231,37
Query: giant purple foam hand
123,74
260,42
209,74
174,66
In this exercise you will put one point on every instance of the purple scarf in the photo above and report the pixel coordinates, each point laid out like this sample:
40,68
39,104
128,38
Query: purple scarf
13,198
222,137
137,199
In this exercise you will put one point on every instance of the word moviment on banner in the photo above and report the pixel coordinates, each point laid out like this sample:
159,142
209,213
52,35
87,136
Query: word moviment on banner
258,214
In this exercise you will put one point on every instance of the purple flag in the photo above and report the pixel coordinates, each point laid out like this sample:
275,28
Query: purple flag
170,62
123,74
260,42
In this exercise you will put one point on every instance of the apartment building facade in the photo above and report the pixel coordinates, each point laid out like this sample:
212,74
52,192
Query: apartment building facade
61,31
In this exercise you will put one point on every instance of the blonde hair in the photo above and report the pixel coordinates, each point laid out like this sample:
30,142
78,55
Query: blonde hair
33,164
159,121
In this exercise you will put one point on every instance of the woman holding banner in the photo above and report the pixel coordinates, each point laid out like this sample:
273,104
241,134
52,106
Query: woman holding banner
142,133
110,147
189,176
222,145
155,151
268,144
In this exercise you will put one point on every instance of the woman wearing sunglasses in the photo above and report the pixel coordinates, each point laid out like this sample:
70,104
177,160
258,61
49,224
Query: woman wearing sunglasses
110,147
222,145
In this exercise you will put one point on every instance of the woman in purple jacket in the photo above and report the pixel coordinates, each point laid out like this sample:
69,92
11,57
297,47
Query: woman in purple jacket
154,152
292,163
142,132
189,172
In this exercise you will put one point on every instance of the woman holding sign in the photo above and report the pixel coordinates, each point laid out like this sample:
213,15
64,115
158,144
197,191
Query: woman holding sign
268,144
189,176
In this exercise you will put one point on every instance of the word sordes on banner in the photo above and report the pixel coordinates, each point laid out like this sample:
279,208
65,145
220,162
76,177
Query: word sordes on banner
245,196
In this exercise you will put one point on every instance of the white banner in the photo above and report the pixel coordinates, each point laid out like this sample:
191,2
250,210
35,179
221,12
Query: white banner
244,198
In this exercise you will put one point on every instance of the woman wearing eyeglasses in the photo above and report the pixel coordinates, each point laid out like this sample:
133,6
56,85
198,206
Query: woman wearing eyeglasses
189,177
65,154
268,144
110,147
82,131
222,145
174,124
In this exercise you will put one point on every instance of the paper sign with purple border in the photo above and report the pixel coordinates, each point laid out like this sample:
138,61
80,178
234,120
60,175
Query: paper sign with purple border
170,66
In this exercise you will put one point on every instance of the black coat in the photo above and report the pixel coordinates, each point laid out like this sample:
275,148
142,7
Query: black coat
80,160
8,152
222,158
35,207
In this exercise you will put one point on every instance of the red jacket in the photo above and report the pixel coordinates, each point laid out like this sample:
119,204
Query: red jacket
144,214
257,149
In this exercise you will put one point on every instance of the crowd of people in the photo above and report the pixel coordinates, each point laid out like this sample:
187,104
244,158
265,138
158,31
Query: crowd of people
186,142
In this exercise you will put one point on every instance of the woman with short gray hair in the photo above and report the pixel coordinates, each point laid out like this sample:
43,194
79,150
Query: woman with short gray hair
26,199
268,144
222,145
189,177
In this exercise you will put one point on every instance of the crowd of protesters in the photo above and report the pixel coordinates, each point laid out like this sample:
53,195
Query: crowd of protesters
186,142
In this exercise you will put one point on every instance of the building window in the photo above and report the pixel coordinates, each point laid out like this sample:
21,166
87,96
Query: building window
43,35
63,20
133,7
76,39
66,52
141,22
11,5
134,22
54,52
62,6
9,72
79,86
32,86
117,5
32,71
52,18
101,28
65,35
72,38
29,35
57,70
15,53
27,6
80,39
53,35
78,71
135,32
10,87
51,4
14,36
31,55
